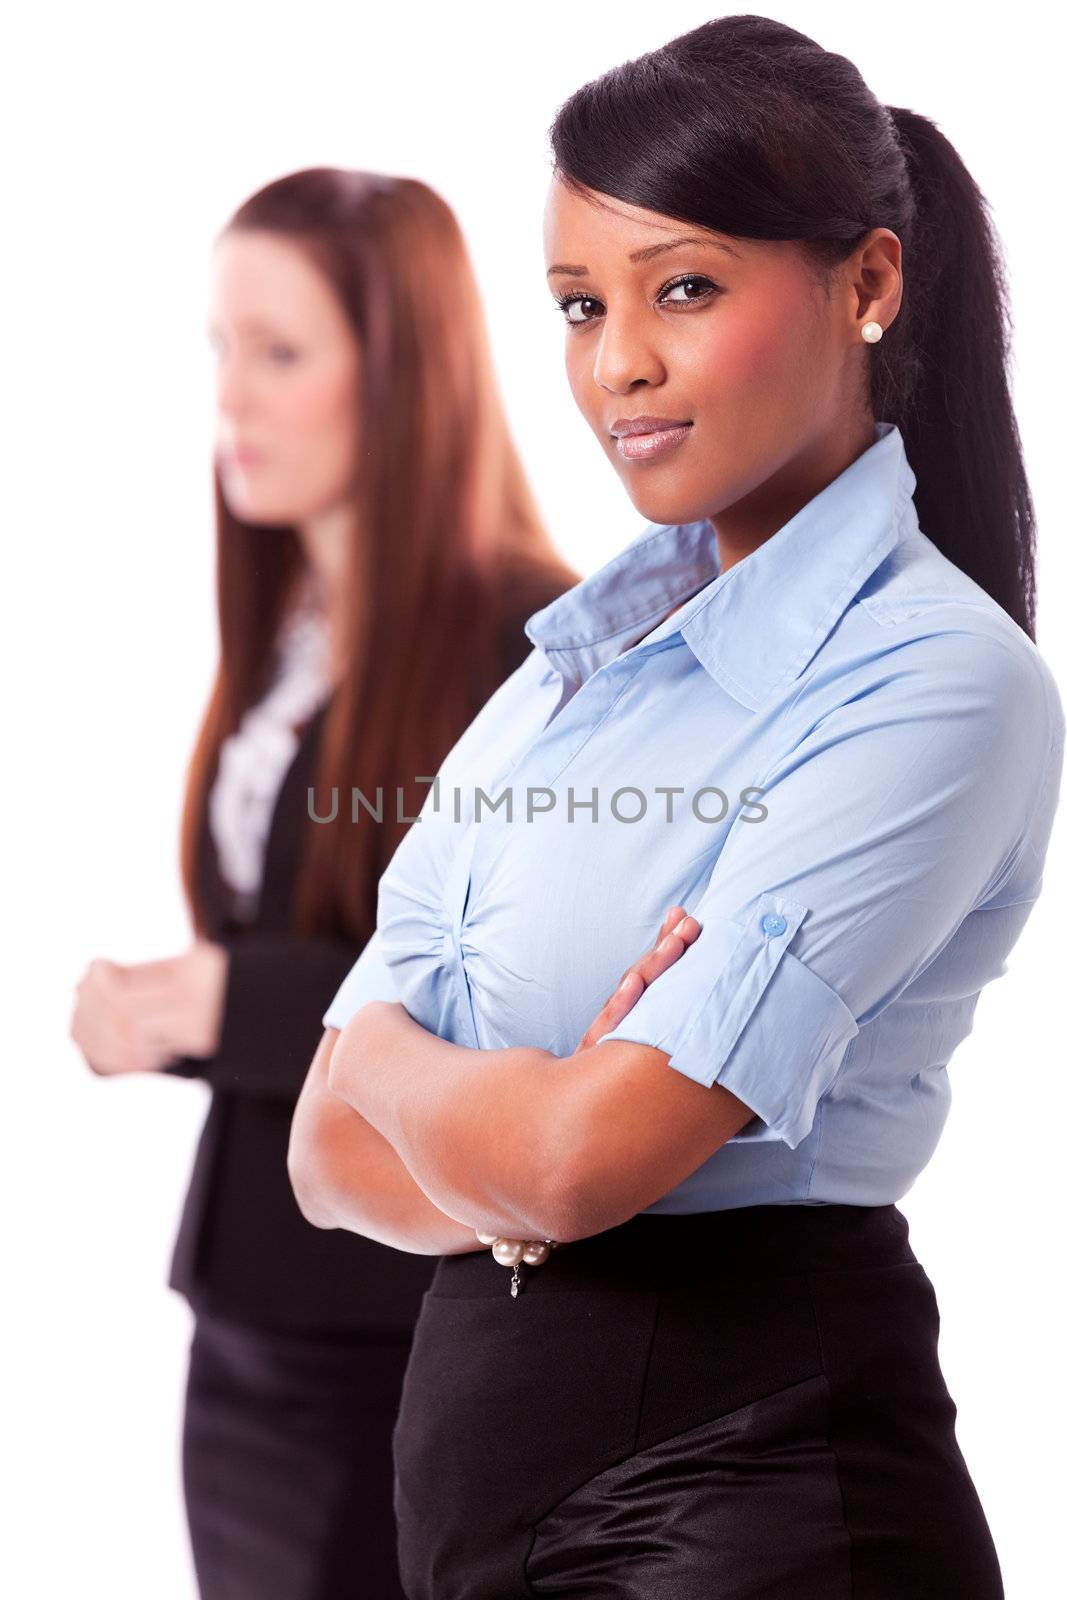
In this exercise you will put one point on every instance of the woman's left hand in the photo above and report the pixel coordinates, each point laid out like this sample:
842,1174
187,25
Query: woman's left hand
378,1026
677,932
375,1025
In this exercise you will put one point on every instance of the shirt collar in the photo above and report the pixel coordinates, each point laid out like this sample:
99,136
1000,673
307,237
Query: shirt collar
755,627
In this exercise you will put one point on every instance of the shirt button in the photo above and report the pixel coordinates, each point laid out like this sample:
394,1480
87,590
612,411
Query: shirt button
773,924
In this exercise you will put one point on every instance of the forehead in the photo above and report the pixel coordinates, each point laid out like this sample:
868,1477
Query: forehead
584,217
260,276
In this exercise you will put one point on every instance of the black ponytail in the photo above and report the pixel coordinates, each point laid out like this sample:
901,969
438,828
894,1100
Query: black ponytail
956,413
746,126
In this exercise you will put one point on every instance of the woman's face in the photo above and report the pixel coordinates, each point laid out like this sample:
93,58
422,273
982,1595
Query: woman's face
729,338
287,382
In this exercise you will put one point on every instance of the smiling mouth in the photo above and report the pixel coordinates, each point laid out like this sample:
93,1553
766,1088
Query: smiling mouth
653,442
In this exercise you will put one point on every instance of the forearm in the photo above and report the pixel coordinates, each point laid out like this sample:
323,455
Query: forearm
263,1047
345,1174
480,1131
523,1142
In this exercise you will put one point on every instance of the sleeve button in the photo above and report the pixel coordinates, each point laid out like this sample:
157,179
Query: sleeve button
773,924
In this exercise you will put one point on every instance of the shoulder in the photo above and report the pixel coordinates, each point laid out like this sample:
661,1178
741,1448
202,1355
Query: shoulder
922,622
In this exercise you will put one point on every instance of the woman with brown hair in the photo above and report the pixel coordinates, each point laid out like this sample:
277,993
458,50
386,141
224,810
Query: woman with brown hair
378,553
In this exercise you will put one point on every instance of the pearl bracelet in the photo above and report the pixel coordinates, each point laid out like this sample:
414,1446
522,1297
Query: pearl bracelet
510,1252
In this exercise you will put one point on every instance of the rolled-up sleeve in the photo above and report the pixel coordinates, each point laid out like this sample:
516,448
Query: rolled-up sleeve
369,979
896,814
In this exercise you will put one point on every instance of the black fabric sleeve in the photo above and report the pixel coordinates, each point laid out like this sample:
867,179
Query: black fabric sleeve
277,988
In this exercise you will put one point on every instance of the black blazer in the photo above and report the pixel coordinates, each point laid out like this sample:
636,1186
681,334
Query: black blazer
243,1248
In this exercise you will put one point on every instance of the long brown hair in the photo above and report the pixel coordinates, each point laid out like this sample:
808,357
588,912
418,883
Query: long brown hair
449,556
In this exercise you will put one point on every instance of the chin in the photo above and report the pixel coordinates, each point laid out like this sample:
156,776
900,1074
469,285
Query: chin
263,509
666,506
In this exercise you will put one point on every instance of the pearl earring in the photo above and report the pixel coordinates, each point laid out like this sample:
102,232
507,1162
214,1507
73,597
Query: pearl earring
871,331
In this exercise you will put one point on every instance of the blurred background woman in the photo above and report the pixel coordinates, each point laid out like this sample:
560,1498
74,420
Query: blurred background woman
379,551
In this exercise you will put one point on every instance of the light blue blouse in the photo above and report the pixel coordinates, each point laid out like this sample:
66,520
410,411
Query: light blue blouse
840,755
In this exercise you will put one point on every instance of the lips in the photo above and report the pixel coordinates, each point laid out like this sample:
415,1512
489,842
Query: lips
626,427
239,455
647,438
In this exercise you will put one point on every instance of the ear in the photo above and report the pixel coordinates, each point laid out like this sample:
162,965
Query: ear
875,279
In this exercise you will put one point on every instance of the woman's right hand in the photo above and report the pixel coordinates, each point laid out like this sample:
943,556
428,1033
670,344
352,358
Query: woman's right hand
677,932
108,1023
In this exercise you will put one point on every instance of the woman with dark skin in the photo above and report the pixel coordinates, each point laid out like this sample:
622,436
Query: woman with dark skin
372,515
719,1375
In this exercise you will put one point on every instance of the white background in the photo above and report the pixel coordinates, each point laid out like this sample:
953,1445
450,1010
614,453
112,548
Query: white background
131,132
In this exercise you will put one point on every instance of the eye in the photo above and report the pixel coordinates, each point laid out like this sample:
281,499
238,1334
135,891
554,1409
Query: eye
705,288
576,307
281,354
569,302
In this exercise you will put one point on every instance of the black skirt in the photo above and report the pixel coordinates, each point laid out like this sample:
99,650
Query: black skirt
745,1405
286,1461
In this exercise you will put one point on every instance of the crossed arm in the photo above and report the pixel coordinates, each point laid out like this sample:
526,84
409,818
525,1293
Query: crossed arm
418,1142
345,1174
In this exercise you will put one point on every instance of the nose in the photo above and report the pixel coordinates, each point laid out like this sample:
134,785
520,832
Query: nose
625,355
232,389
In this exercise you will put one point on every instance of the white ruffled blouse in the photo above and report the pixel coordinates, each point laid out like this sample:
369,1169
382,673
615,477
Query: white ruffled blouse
253,761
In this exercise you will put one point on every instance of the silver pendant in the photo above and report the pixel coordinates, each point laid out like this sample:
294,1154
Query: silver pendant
516,1280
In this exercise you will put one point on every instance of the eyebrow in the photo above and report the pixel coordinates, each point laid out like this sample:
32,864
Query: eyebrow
251,325
648,252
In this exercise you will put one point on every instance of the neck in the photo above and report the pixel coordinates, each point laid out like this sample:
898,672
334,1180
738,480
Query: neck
327,540
755,518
